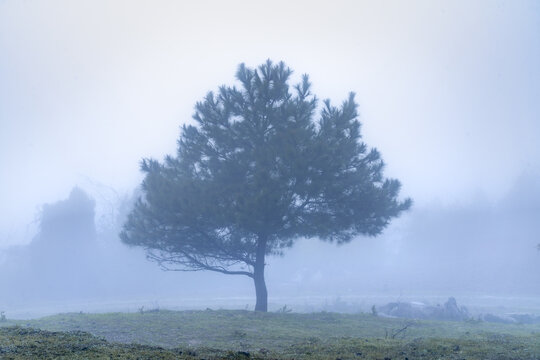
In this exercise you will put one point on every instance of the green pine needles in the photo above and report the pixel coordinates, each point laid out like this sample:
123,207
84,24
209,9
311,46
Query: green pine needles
259,170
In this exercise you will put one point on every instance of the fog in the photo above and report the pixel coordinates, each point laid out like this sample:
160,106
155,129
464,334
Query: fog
449,93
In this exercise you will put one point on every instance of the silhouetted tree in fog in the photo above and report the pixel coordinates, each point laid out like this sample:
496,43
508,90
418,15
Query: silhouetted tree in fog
70,222
257,172
63,253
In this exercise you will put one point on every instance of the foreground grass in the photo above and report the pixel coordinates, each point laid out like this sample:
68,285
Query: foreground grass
27,343
242,334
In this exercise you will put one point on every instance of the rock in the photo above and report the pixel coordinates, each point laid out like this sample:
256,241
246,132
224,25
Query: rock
402,310
524,318
452,312
415,310
498,319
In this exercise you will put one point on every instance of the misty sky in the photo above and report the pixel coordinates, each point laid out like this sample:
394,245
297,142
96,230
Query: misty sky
449,91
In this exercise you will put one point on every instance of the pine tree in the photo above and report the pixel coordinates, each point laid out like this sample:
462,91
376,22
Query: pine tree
257,172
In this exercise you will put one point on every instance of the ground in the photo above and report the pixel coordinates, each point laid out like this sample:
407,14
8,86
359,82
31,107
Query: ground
242,334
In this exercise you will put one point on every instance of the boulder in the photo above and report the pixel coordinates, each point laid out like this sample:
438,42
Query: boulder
415,310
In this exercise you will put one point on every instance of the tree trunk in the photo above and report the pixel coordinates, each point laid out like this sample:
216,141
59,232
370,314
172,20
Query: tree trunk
258,277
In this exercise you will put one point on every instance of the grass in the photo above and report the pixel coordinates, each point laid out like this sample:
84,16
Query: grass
234,334
27,343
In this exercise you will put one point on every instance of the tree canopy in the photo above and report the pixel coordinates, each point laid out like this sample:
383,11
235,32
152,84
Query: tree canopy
261,168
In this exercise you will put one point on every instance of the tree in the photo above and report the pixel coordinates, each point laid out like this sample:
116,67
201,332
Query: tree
256,173
61,257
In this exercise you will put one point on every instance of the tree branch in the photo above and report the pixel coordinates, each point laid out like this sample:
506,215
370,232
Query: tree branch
193,263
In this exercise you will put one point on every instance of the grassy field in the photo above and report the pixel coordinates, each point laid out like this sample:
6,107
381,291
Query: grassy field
242,334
